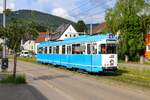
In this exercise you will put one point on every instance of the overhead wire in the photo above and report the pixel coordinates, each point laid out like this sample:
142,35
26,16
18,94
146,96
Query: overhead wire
93,14
87,10
80,6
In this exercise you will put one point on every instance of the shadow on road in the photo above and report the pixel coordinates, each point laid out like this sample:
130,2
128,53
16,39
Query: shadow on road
20,92
48,77
116,73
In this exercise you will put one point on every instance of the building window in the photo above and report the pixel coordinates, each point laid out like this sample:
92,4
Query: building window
65,35
32,48
70,35
74,35
148,48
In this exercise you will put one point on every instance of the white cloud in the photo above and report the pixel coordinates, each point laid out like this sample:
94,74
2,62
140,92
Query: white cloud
10,5
68,9
1,9
62,13
1,6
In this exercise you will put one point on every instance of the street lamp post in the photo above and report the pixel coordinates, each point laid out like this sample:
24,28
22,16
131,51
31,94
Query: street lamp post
4,25
4,62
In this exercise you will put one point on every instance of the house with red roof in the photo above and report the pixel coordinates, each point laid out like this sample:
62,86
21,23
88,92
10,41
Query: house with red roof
62,32
100,28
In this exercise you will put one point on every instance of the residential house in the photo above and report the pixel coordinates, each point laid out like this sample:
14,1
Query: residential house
29,45
42,37
62,32
99,28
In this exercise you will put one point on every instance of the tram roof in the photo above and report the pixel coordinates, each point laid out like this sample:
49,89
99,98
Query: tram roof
79,39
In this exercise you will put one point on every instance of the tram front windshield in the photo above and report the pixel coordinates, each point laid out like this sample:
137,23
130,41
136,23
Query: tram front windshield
108,48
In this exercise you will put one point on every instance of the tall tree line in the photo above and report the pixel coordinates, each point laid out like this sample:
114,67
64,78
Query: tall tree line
131,19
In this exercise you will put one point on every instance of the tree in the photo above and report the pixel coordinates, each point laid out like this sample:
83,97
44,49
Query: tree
38,27
126,17
81,26
14,33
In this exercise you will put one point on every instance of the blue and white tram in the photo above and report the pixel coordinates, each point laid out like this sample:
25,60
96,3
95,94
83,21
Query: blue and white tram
92,53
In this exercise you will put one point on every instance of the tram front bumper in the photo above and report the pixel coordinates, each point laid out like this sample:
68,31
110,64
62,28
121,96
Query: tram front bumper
109,69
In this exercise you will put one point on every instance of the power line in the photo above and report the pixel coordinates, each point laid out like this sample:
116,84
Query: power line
90,15
87,10
82,5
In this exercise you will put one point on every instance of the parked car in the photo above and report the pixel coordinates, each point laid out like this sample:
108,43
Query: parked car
25,53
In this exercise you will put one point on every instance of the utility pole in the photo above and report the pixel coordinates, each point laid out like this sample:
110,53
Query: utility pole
91,30
4,61
91,26
4,25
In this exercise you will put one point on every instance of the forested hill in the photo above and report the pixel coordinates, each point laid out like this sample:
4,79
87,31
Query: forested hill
41,18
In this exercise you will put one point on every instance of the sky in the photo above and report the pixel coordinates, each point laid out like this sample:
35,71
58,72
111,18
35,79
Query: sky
91,11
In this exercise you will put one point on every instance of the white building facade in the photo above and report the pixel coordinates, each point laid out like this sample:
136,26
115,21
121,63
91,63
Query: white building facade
68,33
62,32
29,45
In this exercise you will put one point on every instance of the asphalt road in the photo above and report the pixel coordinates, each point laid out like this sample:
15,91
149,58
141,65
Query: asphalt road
54,84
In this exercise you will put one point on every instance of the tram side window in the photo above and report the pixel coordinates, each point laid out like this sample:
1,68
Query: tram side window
57,49
94,48
50,50
103,49
78,49
45,50
88,48
63,49
111,48
108,49
68,49
83,48
99,49
40,50
54,50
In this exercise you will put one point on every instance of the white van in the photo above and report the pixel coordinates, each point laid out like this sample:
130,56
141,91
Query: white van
25,53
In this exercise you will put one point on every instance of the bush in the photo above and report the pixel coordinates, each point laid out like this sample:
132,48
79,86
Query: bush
20,79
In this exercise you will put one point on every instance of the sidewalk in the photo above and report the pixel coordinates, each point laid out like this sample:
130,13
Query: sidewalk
2,75
20,92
